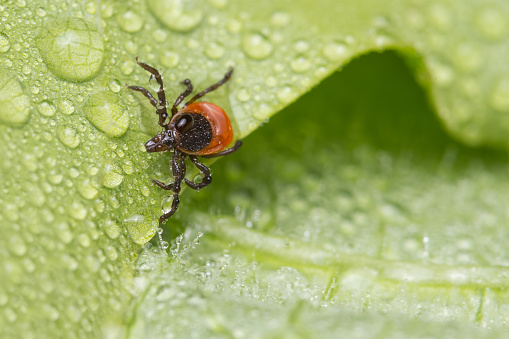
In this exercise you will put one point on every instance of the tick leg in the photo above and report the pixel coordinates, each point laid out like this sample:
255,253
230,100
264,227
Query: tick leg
179,173
146,93
182,96
226,152
207,179
168,187
227,77
161,105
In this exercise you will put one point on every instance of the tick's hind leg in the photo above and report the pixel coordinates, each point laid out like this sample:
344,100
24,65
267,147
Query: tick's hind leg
207,178
174,208
227,77
161,104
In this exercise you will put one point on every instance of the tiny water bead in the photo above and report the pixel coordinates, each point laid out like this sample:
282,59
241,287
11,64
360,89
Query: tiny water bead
66,107
71,49
280,19
169,58
499,98
336,51
111,175
166,204
4,43
491,22
87,190
256,46
214,50
112,229
177,15
140,228
130,21
67,135
243,95
286,94
300,64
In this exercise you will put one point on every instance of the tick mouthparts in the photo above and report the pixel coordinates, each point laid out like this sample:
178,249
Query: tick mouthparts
150,146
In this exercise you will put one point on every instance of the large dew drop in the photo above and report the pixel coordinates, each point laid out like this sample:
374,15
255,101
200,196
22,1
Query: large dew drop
71,49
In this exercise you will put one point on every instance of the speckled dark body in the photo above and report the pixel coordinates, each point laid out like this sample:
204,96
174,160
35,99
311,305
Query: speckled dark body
198,129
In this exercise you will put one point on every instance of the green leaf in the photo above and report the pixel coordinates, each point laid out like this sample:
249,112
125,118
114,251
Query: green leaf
353,199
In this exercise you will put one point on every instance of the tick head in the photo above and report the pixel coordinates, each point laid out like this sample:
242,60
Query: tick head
164,141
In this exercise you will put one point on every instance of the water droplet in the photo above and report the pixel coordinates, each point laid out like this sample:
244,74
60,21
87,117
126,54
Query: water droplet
492,22
115,85
130,22
78,211
51,313
112,229
29,265
66,107
67,135
111,176
234,26
414,18
218,3
336,51
243,95
442,74
41,12
256,46
214,50
280,19
71,49
105,112
64,233
300,64
164,245
468,57
499,98
14,103
286,94
301,46
69,262
166,204
271,81
262,112
180,16
111,253
21,3
16,245
169,59
91,7
87,190
84,240
4,43
127,67
140,229
440,16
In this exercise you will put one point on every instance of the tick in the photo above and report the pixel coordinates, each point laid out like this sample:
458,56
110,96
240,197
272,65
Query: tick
198,129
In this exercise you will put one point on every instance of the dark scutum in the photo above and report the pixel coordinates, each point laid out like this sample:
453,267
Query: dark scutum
199,136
